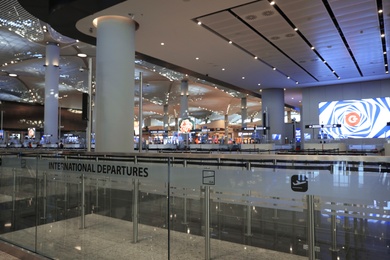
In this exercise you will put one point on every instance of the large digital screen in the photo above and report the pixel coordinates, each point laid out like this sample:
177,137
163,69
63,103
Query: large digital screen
364,118
31,133
186,125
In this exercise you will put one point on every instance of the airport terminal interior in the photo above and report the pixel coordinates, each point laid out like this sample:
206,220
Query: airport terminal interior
194,129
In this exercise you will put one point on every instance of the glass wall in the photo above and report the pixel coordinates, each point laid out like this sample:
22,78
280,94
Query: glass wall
197,206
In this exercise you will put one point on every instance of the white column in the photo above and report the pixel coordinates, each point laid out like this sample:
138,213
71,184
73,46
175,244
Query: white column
184,99
273,101
226,128
243,111
147,121
115,54
52,76
166,123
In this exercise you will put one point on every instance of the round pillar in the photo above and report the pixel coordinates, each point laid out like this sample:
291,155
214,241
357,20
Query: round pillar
114,108
184,99
166,123
273,103
52,76
243,111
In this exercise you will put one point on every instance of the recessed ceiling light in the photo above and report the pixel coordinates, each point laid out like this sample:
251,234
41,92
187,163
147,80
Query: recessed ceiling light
288,77
197,58
162,43
382,35
243,77
274,68
258,84
199,23
380,11
312,47
297,82
223,68
82,55
272,3
295,29
230,42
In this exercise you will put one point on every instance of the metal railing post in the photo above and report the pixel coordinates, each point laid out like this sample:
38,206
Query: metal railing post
135,209
14,199
44,191
248,210
185,222
207,222
310,227
82,201
333,248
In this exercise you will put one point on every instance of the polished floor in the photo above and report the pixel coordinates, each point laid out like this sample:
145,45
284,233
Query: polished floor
103,239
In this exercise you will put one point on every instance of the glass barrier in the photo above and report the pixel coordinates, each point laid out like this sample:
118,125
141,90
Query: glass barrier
18,201
197,207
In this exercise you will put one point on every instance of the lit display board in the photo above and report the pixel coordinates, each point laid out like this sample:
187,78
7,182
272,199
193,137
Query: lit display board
365,118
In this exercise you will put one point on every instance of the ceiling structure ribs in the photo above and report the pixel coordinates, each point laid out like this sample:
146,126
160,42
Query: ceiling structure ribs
209,21
230,11
272,44
303,36
382,30
342,36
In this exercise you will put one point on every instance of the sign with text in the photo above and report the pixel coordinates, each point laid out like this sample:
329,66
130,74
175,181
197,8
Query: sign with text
208,177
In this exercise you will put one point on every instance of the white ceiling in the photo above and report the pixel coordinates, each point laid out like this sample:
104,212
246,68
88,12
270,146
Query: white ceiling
345,34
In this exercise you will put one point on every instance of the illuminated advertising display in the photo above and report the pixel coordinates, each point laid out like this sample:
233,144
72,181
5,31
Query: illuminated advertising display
31,133
365,118
186,126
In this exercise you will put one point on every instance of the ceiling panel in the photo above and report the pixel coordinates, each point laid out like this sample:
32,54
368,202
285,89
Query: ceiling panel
359,23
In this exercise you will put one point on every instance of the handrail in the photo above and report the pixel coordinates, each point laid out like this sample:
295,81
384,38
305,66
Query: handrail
317,158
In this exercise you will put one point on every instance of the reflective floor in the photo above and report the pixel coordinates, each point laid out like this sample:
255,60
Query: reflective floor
103,239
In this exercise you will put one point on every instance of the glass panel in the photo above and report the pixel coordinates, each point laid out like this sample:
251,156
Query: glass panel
197,208
18,204
59,208
112,191
354,221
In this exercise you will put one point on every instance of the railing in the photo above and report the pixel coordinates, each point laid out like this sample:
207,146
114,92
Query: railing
196,206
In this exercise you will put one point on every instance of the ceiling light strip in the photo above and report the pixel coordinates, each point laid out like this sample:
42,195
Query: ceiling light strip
342,36
245,50
311,46
382,30
272,44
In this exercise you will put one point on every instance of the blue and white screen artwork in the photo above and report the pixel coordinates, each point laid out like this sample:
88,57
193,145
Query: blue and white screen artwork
365,118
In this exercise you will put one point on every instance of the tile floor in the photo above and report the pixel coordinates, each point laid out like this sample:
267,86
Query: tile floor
108,238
